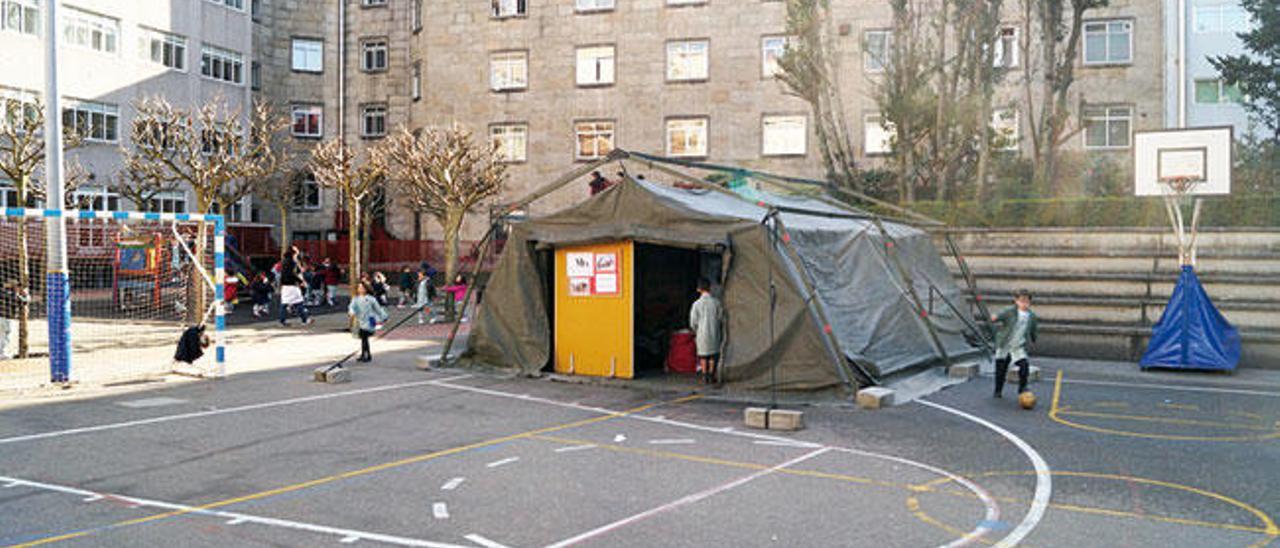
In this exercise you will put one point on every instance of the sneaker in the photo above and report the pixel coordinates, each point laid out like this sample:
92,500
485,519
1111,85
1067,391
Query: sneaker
308,321
284,323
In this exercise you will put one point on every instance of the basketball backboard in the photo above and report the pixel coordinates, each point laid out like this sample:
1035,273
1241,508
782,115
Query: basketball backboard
1197,159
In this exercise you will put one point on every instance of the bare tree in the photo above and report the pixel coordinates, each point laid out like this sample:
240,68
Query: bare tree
212,149
140,190
1046,84
354,176
445,174
810,69
283,171
22,156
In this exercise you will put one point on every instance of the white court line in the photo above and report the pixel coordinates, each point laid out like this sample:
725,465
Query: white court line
440,510
452,484
346,535
572,448
1044,480
502,462
686,500
1175,387
680,441
782,444
484,541
213,412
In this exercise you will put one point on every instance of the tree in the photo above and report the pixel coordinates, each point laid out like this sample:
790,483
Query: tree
445,174
1058,25
22,155
335,165
284,169
1258,74
810,70
219,152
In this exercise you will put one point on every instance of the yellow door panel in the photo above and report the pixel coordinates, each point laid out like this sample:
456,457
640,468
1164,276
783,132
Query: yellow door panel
593,310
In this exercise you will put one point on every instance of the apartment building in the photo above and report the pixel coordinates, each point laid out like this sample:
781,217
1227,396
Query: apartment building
115,53
1198,96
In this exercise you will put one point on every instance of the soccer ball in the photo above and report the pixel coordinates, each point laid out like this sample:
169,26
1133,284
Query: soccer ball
1027,400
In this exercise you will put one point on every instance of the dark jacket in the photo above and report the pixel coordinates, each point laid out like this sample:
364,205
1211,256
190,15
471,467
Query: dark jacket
1005,321
191,345
261,292
332,275
290,272
11,302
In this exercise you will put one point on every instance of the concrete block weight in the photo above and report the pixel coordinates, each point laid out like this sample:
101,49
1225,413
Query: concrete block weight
756,417
332,376
963,370
874,397
785,419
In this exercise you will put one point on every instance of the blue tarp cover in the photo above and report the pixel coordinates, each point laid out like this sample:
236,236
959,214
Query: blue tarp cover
1192,334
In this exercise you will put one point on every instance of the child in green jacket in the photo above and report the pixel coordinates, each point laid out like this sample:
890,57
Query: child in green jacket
1016,328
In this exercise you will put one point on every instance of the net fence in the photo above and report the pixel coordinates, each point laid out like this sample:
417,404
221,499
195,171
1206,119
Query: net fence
135,286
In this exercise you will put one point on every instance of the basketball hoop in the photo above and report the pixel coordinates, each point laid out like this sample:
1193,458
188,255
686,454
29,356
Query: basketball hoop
1181,185
1182,166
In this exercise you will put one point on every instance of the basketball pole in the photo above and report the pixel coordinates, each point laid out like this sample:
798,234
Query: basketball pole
57,286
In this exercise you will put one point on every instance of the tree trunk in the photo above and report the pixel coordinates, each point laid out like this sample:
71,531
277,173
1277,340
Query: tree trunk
285,237
195,312
366,235
24,283
354,268
452,225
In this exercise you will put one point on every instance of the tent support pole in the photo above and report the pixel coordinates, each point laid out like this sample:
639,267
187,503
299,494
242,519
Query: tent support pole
471,287
616,154
910,291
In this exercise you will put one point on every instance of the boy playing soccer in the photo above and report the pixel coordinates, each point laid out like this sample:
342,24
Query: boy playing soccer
1016,328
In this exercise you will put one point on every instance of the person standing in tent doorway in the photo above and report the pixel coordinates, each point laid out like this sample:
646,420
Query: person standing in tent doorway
704,319
1016,328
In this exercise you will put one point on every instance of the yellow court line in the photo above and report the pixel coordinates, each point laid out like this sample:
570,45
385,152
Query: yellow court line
1167,420
359,472
1056,410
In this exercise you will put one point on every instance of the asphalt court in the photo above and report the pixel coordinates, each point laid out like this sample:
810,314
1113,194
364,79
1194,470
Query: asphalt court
444,459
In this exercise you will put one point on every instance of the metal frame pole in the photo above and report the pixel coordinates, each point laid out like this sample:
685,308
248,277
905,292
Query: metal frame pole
57,284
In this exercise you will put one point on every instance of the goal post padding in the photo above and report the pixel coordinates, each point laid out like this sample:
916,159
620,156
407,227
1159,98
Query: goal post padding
134,283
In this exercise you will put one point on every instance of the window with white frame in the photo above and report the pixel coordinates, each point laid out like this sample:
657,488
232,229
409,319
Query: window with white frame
1005,54
373,3
21,16
308,55
771,49
1216,18
374,56
1004,129
92,31
233,4
1107,126
95,122
509,70
687,60
1108,42
216,141
509,8
221,64
685,2
240,211
877,135
595,139
1215,91
687,137
9,194
163,48
875,50
417,15
308,121
511,141
15,106
784,135
255,75
415,82
373,120
309,195
595,65
96,199
168,202
593,5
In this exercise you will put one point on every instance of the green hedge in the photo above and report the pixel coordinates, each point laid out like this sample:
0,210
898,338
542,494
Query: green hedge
1258,210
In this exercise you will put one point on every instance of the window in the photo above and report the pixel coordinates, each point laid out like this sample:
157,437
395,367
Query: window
595,65
9,194
511,141
509,8
875,52
415,83
375,54
96,122
687,60
168,202
1108,42
96,199
163,48
241,210
784,135
308,55
687,137
1217,91
417,15
877,135
771,49
1107,126
1220,18
221,64
309,195
509,71
1004,129
87,30
233,4
22,16
593,5
685,2
16,105
308,121
255,75
373,3
254,10
214,141
1005,54
373,121
595,139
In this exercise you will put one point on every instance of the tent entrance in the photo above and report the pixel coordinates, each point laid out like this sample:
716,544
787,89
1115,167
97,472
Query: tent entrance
666,280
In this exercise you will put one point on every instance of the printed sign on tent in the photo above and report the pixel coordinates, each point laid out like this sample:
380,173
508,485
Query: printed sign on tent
606,262
580,264
606,284
579,287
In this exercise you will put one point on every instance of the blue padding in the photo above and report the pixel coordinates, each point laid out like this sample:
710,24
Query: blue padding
220,323
59,311
120,215
152,216
53,213
87,215
15,212
219,260
183,216
221,354
1191,333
